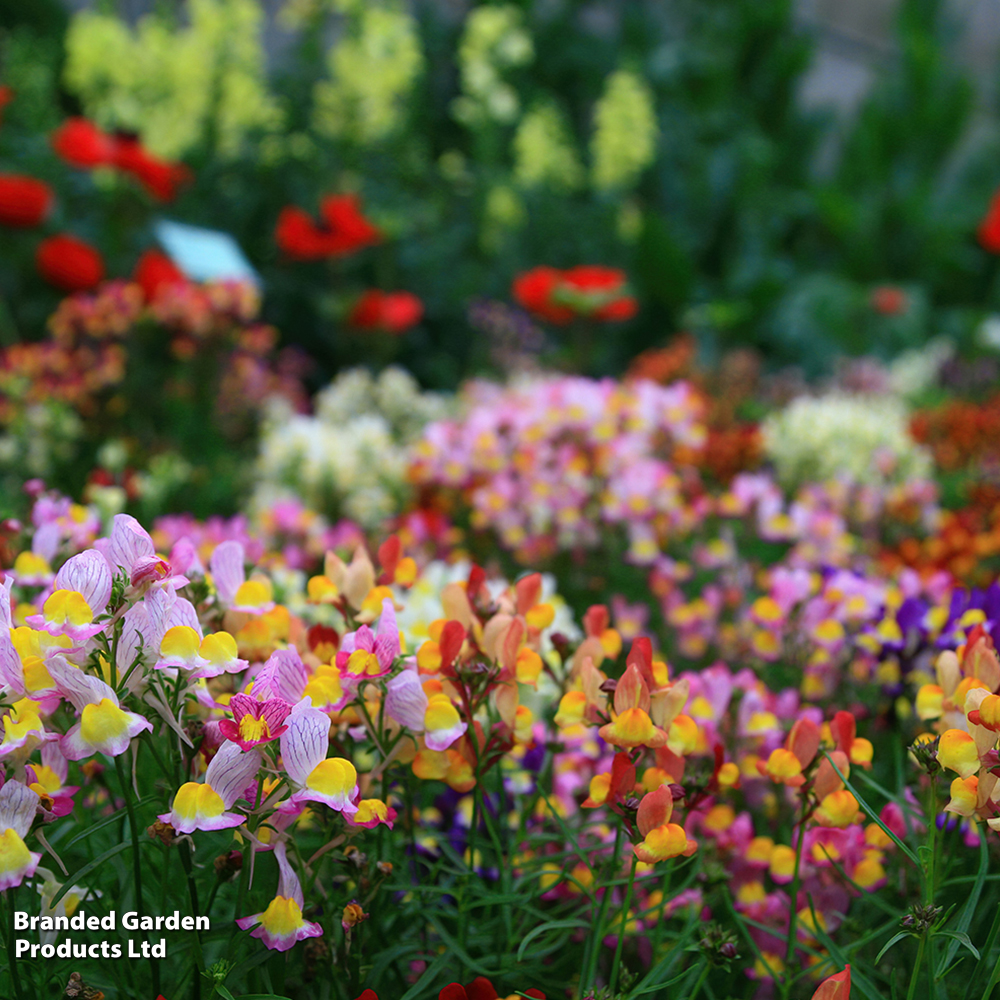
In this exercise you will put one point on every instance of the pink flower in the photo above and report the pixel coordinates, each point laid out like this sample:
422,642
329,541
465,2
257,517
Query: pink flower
255,721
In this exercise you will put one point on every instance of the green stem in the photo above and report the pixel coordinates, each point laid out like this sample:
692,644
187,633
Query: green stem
793,910
15,974
597,935
705,969
991,939
915,975
613,981
185,852
136,860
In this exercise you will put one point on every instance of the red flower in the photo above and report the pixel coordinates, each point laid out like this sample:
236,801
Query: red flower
390,312
989,228
160,178
343,230
588,291
155,270
24,201
83,144
479,989
69,263
534,290
889,300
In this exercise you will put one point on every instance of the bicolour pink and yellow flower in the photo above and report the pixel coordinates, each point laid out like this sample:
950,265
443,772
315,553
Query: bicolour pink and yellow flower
282,925
203,805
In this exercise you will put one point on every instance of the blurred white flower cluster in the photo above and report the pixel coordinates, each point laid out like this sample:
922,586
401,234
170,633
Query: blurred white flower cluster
350,459
860,439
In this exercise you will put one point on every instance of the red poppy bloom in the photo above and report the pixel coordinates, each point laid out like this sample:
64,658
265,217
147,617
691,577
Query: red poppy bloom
390,312
160,178
24,201
155,270
343,230
989,228
69,263
83,144
588,291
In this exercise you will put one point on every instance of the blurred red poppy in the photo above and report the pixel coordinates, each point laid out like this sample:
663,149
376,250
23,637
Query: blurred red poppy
989,228
154,271
83,144
69,263
588,291
390,312
160,178
24,201
343,230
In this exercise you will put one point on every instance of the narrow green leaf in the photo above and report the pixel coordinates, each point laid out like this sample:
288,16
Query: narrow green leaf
79,874
552,925
960,938
871,812
969,910
893,940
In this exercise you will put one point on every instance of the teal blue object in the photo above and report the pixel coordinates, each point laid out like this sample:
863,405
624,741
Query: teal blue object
204,254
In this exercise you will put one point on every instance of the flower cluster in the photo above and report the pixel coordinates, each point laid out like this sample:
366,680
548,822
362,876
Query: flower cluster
350,458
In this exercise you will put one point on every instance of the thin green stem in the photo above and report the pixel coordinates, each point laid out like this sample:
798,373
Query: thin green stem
613,981
597,934
915,975
136,860
15,973
991,939
705,969
794,902
185,852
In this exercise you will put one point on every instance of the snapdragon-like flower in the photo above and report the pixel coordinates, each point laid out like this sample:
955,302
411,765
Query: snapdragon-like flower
23,730
631,725
256,720
318,778
232,587
281,925
662,839
66,612
104,726
365,655
203,805
184,648
17,812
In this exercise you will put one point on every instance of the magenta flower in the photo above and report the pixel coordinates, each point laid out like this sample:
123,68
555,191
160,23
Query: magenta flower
255,721
366,654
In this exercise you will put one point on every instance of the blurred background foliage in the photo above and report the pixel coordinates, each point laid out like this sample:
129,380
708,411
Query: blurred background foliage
668,139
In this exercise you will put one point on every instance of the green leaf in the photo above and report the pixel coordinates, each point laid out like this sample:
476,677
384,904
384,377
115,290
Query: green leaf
893,940
871,812
960,938
969,910
552,925
79,874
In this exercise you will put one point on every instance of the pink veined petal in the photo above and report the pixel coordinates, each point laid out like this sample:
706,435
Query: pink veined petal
242,704
17,808
406,700
87,573
306,741
275,711
231,770
288,882
128,542
283,675
228,570
78,688
387,637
